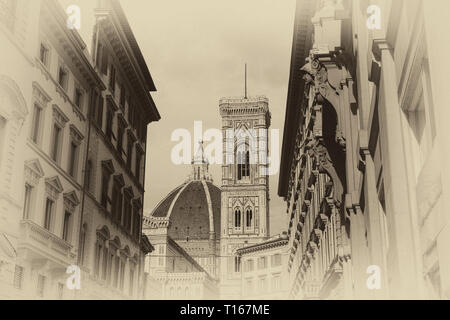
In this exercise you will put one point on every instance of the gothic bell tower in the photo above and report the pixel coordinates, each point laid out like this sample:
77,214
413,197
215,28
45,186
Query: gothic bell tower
245,184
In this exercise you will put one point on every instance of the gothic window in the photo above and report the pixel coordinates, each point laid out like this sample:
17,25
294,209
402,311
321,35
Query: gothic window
249,218
237,218
237,264
243,164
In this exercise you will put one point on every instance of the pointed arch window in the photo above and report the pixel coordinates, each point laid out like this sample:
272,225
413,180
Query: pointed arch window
249,218
237,218
243,164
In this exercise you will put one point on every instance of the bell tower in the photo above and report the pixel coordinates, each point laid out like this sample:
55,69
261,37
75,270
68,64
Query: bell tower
245,184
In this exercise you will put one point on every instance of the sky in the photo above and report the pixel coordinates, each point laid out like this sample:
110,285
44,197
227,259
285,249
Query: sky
196,51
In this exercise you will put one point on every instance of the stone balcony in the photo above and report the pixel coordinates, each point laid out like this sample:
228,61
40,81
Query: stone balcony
43,244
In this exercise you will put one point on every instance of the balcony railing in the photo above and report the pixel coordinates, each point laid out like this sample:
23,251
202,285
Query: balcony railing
37,236
8,13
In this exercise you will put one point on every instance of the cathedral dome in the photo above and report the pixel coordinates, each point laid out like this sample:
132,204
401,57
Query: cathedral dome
193,208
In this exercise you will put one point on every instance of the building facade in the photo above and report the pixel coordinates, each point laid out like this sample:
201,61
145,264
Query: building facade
363,152
178,274
263,269
245,183
53,154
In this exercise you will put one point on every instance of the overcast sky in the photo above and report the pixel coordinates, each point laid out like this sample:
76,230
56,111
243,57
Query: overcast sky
196,50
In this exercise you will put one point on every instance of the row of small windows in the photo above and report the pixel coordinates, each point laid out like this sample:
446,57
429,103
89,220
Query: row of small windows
125,101
248,218
41,283
119,205
56,144
111,264
49,216
262,263
96,114
263,285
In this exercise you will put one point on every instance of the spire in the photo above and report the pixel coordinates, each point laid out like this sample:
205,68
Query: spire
200,165
245,96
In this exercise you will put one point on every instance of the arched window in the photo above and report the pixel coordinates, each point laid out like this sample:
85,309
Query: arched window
249,218
237,218
243,164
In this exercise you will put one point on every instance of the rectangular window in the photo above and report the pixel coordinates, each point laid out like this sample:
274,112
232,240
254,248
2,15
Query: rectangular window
120,132
73,159
116,202
18,277
249,286
138,165
276,283
27,201
56,142
66,226
48,214
263,285
63,76
44,54
129,152
78,98
41,286
112,79
276,260
262,263
109,122
104,196
36,124
60,291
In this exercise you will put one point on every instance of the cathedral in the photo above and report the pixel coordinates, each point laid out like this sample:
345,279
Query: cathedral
209,224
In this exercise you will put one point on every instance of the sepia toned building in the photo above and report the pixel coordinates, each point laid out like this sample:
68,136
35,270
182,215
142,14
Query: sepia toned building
364,151
245,184
263,269
179,274
73,136
112,241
